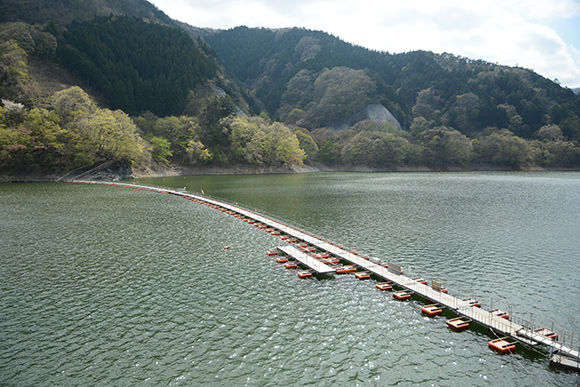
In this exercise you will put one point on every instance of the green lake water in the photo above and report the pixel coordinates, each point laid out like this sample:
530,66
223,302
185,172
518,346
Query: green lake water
103,285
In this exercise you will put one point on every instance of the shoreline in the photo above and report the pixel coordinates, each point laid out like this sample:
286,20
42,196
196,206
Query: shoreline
246,170
37,177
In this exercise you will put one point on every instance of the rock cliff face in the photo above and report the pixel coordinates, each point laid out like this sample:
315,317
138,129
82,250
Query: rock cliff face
378,112
374,111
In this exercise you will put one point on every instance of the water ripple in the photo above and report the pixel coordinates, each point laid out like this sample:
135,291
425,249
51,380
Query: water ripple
101,285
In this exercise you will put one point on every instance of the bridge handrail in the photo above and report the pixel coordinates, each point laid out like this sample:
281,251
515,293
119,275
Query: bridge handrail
531,325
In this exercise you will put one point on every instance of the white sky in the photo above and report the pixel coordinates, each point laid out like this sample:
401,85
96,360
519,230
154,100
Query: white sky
542,35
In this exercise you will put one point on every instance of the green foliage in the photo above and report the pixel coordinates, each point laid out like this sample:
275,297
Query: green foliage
20,33
65,11
333,95
75,133
376,126
330,153
30,38
15,148
307,144
175,128
307,79
161,152
550,133
177,132
197,153
297,96
446,146
571,128
339,93
565,153
109,134
48,137
72,103
38,140
428,105
556,153
284,66
269,59
136,66
377,149
463,113
501,147
213,110
376,144
257,142
14,75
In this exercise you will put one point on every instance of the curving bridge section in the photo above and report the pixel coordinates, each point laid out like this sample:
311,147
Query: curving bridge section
561,354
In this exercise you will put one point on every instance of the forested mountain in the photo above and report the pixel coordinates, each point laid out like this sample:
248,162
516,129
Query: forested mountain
154,92
64,12
278,64
137,66
126,65
292,69
455,111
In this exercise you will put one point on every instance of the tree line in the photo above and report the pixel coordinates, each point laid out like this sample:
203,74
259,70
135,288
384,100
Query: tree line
75,132
455,112
380,145
284,66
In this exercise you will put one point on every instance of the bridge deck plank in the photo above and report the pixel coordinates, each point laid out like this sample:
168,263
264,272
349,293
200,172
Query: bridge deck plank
461,307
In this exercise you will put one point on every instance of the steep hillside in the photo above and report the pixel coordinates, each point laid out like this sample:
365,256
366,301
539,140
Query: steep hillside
292,72
327,101
64,12
139,60
136,66
266,60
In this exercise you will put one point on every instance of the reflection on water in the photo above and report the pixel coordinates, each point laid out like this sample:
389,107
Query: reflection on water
109,285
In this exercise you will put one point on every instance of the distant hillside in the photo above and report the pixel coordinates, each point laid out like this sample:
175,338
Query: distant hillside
86,81
267,60
124,51
64,12
293,72
137,66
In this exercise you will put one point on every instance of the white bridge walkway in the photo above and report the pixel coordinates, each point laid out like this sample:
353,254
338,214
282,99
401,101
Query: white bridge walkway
499,325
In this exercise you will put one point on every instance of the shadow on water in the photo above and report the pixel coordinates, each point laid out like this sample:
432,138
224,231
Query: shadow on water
324,277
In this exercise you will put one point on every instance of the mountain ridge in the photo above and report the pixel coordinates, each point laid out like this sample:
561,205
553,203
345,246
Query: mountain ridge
304,97
64,12
267,61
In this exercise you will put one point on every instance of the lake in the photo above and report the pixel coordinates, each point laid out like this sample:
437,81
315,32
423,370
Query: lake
108,285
